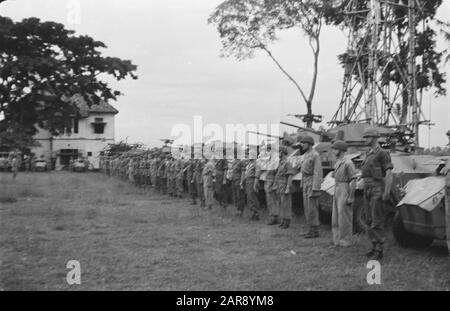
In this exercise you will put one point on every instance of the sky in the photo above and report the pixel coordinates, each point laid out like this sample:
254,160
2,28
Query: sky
181,73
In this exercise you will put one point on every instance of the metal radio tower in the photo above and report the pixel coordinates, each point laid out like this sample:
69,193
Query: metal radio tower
380,85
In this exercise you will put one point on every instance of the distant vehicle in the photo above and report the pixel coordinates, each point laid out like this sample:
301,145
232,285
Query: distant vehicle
40,165
80,165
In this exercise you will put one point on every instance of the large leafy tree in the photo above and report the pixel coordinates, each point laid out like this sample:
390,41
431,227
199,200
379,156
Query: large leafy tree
249,26
429,70
42,65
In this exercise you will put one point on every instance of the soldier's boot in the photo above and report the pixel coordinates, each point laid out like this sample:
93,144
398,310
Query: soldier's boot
273,221
202,204
255,217
194,202
372,252
313,233
378,254
287,223
282,223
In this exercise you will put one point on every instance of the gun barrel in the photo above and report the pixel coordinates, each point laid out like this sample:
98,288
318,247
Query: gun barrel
262,134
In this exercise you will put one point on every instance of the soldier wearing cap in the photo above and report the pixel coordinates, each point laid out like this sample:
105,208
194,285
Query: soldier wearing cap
249,182
221,167
198,179
238,194
345,183
160,182
376,172
208,181
270,189
283,184
190,180
312,175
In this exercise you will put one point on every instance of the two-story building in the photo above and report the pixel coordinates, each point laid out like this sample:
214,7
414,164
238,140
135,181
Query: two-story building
91,132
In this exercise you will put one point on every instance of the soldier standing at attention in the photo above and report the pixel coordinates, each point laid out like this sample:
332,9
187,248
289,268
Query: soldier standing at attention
178,176
282,184
208,181
162,177
221,181
191,180
15,164
170,169
250,180
270,189
312,174
376,172
238,194
345,183
198,179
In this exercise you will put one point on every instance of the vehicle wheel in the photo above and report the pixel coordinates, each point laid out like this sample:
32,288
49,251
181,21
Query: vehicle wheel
408,239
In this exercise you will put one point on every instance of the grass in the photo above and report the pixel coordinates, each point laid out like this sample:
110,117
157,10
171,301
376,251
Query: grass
125,239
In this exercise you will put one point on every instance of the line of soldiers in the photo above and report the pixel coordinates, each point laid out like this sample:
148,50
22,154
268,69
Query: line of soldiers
205,179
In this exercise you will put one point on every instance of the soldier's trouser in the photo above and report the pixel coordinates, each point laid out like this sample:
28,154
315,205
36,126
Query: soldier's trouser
179,186
375,210
285,201
200,191
209,191
447,210
252,196
157,183
342,216
271,199
310,205
164,185
238,194
153,180
220,187
192,189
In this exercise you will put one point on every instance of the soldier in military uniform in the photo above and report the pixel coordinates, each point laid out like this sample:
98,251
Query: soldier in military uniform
270,190
178,171
249,182
345,183
170,172
162,176
208,182
221,167
376,172
311,170
198,179
283,184
190,179
238,194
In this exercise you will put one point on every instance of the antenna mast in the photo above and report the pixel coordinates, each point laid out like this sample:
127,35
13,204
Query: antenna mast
380,76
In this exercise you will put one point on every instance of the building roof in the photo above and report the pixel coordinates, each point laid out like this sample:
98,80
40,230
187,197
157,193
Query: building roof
102,107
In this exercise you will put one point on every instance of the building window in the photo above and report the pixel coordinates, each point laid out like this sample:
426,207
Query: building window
99,126
75,125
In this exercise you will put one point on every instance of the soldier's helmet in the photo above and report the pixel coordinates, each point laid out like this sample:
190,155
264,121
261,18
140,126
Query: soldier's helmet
297,142
340,145
448,133
371,132
306,139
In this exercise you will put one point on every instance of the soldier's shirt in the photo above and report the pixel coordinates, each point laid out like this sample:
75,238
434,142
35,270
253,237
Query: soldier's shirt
344,171
236,170
207,173
311,167
221,165
250,169
376,164
285,169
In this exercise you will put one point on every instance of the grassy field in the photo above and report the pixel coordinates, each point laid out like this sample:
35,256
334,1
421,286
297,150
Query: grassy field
126,239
